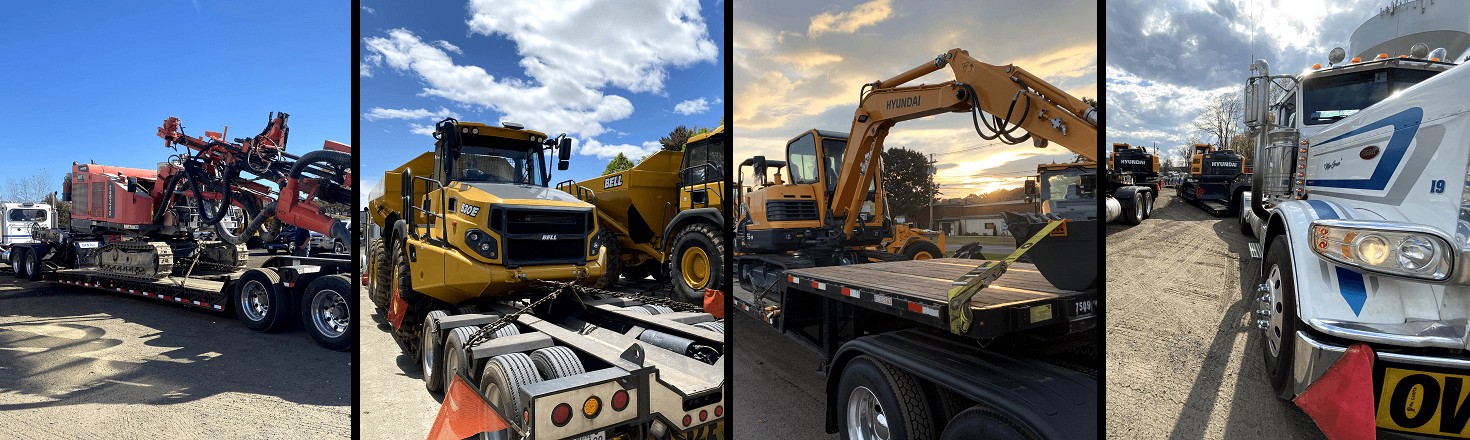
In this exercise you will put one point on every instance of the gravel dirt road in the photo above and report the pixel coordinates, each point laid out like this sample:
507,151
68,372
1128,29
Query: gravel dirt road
82,363
1183,353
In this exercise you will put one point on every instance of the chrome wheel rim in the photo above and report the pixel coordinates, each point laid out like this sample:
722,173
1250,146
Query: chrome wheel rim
255,301
330,313
1276,306
865,417
451,358
428,351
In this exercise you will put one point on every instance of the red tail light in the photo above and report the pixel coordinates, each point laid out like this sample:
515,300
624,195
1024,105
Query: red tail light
703,415
620,400
720,411
561,415
687,420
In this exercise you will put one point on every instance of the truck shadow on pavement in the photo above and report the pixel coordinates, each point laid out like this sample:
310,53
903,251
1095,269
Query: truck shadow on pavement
66,346
1255,412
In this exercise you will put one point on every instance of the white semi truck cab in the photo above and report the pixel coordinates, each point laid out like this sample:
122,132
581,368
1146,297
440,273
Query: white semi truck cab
17,220
1361,208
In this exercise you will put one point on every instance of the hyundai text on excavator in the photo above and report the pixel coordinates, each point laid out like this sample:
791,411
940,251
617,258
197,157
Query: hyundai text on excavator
152,232
919,348
1217,177
486,273
666,216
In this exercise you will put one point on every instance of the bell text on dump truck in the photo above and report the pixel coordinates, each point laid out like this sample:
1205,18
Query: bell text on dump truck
1362,212
485,274
943,347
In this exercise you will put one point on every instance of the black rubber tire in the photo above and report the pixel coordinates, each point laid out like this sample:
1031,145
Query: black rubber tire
508,373
35,268
1278,368
902,399
326,286
982,422
1148,206
708,239
916,247
1131,216
278,311
714,326
451,364
508,330
557,362
635,272
16,257
338,247
271,251
23,264
430,340
614,261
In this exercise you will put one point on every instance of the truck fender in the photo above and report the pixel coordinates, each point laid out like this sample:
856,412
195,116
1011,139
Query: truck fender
1126,194
1317,281
712,215
1058,403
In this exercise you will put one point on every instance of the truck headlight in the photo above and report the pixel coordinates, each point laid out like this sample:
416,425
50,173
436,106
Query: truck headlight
1388,248
596,245
482,243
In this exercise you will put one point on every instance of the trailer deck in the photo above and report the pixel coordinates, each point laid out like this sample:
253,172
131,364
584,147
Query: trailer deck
204,291
918,290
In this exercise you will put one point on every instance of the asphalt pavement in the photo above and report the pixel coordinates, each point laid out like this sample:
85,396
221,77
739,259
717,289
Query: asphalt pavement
779,388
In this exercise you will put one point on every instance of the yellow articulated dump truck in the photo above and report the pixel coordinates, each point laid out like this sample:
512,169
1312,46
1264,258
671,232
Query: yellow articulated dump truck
666,216
485,274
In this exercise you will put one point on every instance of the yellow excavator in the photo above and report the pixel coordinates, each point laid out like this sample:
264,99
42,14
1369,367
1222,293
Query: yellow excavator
831,209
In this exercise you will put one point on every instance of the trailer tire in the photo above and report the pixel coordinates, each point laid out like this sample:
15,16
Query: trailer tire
698,261
1134,215
557,362
328,312
260,302
18,261
922,250
1148,206
714,326
872,393
1281,290
454,357
503,378
430,352
380,274
982,422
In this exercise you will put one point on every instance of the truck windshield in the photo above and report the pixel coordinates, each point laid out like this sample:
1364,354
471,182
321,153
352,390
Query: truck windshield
1330,98
28,215
499,165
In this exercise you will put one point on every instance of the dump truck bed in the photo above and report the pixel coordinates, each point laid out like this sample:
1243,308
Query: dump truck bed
918,291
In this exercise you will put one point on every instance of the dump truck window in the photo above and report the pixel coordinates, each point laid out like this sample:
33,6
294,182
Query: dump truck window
498,165
801,160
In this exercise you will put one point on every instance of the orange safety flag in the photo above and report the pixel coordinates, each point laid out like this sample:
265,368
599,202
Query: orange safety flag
1341,401
465,413
714,303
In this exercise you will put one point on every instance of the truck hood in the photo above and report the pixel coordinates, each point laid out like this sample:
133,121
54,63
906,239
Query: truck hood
509,192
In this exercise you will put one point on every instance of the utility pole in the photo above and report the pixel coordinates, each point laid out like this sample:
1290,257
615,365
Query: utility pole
936,190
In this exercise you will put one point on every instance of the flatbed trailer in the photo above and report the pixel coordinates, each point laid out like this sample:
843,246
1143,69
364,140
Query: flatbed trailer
1029,359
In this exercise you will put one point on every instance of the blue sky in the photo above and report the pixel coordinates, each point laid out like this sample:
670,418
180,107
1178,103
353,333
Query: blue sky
615,76
94,82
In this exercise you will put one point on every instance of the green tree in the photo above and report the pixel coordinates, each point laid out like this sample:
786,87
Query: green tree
618,163
907,180
676,138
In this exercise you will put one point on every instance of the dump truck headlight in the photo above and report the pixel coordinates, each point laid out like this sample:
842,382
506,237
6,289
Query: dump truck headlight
596,245
1387,248
482,243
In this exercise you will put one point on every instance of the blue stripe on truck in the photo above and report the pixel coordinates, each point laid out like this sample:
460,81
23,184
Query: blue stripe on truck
1349,283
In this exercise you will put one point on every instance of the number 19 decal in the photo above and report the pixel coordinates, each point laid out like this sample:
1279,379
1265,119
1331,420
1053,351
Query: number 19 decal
1436,187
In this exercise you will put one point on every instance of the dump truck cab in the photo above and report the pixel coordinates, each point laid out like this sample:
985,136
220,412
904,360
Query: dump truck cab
475,218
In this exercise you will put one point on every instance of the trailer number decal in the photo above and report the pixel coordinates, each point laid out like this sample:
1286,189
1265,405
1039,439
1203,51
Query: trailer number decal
1436,187
470,210
1084,308
612,181
87,244
1424,402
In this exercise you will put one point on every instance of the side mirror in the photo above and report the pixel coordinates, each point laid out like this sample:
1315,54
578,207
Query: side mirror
758,165
564,154
1031,189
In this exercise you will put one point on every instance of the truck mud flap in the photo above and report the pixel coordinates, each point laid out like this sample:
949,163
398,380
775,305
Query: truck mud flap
1067,258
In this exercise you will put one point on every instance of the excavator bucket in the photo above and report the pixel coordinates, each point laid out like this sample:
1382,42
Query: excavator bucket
1067,257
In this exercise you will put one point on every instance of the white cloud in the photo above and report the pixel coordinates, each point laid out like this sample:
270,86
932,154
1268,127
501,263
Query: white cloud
364,70
369,10
447,46
377,113
591,147
691,106
866,14
423,129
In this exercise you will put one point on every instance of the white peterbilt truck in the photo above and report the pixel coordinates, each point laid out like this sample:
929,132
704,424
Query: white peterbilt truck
1361,209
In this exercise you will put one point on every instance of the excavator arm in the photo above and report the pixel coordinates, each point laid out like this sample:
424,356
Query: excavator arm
1018,106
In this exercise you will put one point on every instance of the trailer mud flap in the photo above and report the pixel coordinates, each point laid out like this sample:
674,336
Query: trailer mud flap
397,309
1067,258
465,413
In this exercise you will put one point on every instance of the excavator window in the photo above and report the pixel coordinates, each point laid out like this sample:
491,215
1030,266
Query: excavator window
832,150
801,160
